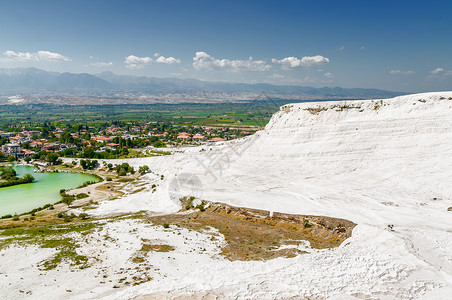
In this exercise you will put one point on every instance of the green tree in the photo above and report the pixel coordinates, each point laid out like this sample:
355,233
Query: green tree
143,170
28,178
8,173
52,158
88,153
84,164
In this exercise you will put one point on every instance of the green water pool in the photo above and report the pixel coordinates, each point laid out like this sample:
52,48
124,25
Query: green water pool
45,189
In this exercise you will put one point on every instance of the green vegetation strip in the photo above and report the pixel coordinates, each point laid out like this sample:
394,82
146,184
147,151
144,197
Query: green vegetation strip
51,236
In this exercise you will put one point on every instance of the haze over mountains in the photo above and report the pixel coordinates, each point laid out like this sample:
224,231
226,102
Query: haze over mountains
32,81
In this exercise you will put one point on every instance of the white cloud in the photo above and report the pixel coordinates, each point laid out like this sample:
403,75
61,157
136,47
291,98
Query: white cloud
362,48
400,72
36,56
341,48
101,64
167,60
440,72
276,76
306,61
135,62
203,61
328,75
437,71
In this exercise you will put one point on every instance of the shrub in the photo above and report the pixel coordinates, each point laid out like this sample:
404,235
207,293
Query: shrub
83,216
81,196
143,170
201,207
67,199
166,225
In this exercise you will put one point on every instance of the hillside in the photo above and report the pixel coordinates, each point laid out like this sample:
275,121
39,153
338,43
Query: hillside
376,163
372,162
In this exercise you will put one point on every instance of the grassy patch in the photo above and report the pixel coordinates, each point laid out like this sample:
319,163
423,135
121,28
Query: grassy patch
138,190
157,248
125,179
255,235
51,236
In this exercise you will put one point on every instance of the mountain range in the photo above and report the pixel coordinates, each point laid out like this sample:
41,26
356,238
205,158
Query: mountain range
32,81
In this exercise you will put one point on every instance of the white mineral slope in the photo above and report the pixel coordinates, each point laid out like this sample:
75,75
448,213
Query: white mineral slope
372,162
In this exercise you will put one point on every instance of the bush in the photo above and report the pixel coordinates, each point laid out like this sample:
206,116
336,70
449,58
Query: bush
86,184
109,179
200,207
88,164
67,199
123,169
143,170
166,225
81,196
16,218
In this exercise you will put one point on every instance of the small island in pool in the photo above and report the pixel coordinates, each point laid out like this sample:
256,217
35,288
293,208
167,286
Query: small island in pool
8,177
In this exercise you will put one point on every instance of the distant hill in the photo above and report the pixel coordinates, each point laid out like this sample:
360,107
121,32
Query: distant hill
35,81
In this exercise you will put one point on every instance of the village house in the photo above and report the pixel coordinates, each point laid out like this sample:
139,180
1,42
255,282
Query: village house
198,138
52,146
11,149
183,136
6,134
18,139
37,144
27,152
112,146
103,139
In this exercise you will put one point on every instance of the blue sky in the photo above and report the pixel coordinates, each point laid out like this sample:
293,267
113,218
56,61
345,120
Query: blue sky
394,45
